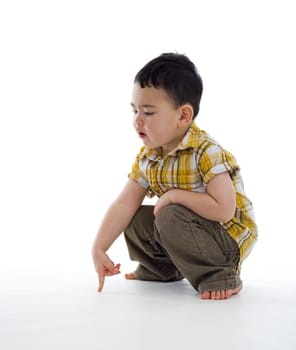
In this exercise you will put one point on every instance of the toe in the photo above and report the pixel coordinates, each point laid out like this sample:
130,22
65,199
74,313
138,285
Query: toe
222,295
218,295
213,295
205,295
130,276
228,293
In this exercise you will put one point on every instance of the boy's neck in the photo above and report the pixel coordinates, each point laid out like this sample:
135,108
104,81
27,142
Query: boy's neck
165,151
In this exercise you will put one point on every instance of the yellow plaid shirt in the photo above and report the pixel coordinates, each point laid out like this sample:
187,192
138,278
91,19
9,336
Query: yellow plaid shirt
195,161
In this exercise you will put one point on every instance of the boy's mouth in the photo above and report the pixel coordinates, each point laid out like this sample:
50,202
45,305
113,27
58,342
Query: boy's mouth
141,134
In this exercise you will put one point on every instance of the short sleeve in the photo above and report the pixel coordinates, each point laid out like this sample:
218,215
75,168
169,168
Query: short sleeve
137,174
215,160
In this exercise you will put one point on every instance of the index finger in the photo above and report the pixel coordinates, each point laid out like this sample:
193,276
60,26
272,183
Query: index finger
101,275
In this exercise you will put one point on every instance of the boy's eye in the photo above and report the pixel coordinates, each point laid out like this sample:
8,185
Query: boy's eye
146,113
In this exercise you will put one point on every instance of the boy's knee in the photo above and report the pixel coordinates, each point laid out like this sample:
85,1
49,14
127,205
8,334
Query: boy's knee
169,217
176,218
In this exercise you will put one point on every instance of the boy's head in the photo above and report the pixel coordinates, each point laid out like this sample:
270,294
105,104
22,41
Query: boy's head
177,75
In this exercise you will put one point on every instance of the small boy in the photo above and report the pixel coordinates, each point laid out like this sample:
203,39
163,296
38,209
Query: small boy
202,226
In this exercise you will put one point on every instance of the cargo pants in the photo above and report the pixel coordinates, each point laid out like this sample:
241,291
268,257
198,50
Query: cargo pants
180,244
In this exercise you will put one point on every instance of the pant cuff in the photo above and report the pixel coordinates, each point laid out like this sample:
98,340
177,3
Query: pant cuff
218,285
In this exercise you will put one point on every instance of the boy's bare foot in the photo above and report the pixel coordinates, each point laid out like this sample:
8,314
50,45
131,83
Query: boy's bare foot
220,294
130,276
213,295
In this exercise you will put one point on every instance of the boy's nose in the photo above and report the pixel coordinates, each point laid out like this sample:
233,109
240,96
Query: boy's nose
138,121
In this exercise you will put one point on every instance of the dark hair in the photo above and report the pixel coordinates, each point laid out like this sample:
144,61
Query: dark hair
177,75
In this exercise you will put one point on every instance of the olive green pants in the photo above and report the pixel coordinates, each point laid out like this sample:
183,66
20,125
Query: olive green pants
180,244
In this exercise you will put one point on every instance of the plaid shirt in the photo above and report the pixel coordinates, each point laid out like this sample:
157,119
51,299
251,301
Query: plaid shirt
190,166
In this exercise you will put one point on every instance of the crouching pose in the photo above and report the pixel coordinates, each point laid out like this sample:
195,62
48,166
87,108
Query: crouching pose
202,225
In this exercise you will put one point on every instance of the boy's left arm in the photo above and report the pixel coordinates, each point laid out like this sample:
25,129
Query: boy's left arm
217,203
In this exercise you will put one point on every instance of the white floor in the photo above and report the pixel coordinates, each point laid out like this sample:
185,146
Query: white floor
46,310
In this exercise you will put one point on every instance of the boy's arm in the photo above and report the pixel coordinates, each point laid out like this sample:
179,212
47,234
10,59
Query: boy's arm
115,221
217,204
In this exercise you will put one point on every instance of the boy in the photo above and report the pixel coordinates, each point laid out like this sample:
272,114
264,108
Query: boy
202,226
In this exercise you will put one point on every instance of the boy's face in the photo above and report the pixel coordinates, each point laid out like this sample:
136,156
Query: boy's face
156,119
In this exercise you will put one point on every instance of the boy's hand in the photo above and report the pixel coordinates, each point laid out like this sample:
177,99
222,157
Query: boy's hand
163,201
104,267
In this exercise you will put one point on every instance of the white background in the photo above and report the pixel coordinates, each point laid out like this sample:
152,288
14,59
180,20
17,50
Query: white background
66,136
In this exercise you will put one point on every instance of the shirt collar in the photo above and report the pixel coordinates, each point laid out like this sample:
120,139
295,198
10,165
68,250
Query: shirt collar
190,140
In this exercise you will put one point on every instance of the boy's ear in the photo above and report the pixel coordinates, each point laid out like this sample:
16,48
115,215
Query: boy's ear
186,115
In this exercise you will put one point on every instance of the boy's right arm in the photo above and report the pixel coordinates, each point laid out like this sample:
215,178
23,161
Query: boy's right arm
115,221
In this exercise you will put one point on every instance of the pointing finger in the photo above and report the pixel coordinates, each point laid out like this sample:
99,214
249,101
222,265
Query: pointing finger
101,280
